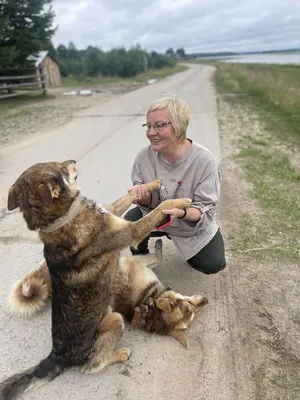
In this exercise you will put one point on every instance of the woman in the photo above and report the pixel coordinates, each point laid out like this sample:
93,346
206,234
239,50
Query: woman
186,169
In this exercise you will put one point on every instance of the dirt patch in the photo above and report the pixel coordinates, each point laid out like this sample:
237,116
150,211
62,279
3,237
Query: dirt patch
265,287
25,118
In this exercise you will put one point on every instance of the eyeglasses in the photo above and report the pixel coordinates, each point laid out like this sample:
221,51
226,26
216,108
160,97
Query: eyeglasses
158,126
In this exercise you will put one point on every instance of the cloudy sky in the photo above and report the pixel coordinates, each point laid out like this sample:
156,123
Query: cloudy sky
195,25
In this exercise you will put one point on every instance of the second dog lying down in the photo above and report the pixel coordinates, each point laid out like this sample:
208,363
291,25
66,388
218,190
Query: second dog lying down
138,295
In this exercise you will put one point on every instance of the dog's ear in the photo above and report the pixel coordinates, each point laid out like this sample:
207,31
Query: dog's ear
45,194
13,197
164,304
181,336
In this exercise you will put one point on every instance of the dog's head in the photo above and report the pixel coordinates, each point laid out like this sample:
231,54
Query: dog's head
44,192
177,313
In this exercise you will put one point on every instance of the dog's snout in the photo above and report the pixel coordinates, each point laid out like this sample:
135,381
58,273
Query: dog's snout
73,161
205,300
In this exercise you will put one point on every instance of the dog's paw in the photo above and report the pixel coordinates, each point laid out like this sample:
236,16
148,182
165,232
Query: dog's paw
182,203
123,354
153,185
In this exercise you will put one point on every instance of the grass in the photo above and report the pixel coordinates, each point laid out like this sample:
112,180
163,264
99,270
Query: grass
273,91
143,77
7,105
276,186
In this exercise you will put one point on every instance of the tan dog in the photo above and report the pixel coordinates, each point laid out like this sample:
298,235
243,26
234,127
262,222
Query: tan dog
82,244
137,294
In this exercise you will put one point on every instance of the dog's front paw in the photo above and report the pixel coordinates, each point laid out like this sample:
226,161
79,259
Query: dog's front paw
153,185
182,203
177,203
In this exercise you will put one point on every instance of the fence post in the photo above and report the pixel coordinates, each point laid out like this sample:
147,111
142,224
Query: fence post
42,80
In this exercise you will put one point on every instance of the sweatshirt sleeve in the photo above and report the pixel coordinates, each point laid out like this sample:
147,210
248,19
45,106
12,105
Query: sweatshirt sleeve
136,175
207,192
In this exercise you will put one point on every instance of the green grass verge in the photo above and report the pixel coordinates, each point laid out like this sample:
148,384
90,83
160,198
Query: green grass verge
273,90
7,105
276,186
273,93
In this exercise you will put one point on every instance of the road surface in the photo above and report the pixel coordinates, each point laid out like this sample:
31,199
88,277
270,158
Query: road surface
104,140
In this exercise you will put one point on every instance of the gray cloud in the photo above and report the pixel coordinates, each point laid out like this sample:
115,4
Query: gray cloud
215,25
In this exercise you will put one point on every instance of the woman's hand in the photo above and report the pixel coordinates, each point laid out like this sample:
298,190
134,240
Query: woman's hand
142,196
192,214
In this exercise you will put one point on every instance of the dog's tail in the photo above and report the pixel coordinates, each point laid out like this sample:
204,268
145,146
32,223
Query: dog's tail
29,294
44,372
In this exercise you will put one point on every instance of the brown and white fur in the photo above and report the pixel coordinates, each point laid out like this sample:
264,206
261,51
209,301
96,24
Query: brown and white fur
82,244
137,294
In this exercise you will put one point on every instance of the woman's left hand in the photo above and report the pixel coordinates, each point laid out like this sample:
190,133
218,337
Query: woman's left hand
174,212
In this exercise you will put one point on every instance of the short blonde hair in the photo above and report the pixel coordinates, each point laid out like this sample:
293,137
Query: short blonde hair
179,113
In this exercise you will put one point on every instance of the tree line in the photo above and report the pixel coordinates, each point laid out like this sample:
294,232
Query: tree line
26,27
117,62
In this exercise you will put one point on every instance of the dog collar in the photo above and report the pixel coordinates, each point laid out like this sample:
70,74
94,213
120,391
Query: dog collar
65,219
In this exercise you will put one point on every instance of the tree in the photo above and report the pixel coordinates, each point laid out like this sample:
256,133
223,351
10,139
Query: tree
180,53
119,62
170,52
92,61
25,28
158,61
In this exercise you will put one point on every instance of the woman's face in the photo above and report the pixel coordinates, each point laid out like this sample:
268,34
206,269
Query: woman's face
162,138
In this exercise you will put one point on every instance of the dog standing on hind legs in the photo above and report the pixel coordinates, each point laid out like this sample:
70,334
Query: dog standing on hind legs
82,244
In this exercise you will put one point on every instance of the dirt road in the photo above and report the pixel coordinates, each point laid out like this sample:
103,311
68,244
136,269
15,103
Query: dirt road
104,139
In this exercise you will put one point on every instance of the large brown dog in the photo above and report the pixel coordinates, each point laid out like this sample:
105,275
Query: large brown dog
136,293
82,244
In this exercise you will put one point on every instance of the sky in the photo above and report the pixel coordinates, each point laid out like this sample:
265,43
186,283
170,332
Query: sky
195,25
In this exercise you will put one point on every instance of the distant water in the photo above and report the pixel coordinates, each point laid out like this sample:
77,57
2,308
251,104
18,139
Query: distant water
291,58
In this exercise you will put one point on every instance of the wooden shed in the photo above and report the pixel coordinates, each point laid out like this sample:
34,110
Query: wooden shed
50,68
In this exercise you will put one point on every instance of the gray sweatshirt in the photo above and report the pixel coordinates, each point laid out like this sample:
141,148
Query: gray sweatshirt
196,176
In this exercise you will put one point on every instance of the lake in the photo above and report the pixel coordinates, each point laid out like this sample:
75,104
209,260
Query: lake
282,58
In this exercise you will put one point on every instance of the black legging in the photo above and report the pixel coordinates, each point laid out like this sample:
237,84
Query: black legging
209,260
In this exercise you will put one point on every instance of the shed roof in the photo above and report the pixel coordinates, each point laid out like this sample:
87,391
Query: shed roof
39,58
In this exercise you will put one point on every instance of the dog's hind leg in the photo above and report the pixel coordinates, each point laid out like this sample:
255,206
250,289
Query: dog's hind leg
111,329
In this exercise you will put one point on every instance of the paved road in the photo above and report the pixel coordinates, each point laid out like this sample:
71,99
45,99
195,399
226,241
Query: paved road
104,140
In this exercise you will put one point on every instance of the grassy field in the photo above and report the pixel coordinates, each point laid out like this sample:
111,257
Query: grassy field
274,91
269,158
143,77
15,102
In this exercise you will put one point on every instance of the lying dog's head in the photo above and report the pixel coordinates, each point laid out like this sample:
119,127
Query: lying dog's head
177,313
172,315
44,192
